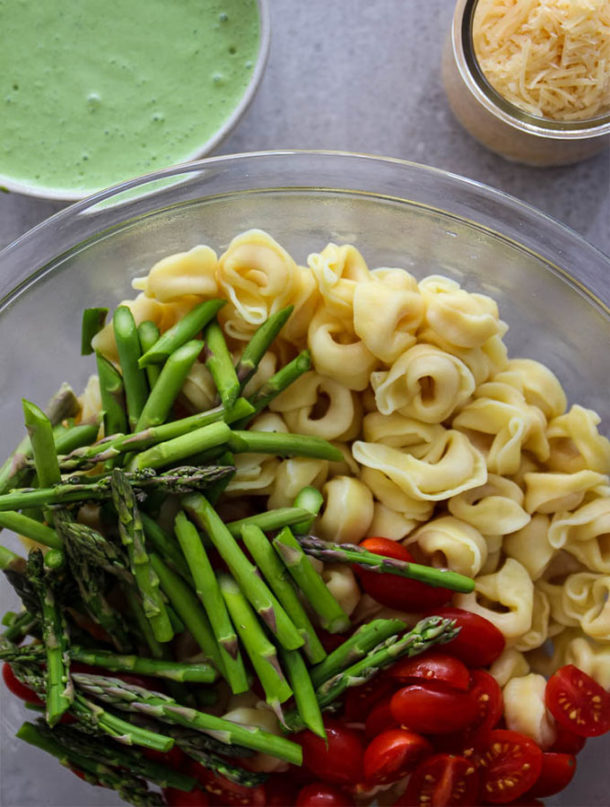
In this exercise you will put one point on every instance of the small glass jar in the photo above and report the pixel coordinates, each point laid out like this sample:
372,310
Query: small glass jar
501,126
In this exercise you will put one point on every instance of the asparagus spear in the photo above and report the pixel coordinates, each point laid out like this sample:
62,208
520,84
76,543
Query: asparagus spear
283,445
148,334
173,451
332,616
64,404
208,591
94,320
173,375
18,626
84,542
30,528
134,378
188,607
244,572
260,343
274,571
270,521
357,555
183,331
78,744
90,575
304,693
220,364
311,499
135,699
132,536
112,393
192,739
14,568
40,431
262,653
359,644
223,767
165,546
189,672
58,686
114,445
427,633
75,437
177,480
130,788
279,381
94,718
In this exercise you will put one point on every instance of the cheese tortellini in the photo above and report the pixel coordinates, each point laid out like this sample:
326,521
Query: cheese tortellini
470,457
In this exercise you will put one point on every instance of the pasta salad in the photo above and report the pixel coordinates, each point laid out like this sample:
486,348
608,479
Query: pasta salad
437,496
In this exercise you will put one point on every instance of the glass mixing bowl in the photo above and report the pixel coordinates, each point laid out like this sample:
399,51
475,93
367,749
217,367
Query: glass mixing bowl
553,289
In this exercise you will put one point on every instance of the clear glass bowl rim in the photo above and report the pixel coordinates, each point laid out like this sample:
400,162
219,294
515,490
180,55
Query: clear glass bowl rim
579,263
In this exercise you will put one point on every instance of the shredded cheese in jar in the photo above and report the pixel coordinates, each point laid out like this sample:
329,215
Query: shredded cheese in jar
550,58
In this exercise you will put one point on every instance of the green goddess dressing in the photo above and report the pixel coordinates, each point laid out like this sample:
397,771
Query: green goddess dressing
94,92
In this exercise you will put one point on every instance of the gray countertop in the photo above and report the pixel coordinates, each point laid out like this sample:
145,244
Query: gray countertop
364,75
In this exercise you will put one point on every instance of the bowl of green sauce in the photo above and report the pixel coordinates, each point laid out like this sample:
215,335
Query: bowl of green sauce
92,94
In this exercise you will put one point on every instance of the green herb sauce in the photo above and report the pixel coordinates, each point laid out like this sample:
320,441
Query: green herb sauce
94,92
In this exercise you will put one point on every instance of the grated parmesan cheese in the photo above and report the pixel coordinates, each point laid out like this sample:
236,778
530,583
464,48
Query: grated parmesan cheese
548,57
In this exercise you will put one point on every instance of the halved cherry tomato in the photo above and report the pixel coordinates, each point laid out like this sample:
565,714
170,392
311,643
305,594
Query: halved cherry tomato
557,772
393,754
577,702
221,791
433,709
566,742
16,687
432,666
178,798
380,719
509,766
487,693
339,761
398,592
443,780
320,794
479,642
359,701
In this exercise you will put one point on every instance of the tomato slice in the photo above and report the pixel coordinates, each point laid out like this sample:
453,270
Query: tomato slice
432,666
509,766
577,702
380,719
488,696
557,772
398,592
443,780
433,709
393,754
178,798
479,642
321,794
15,686
339,761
